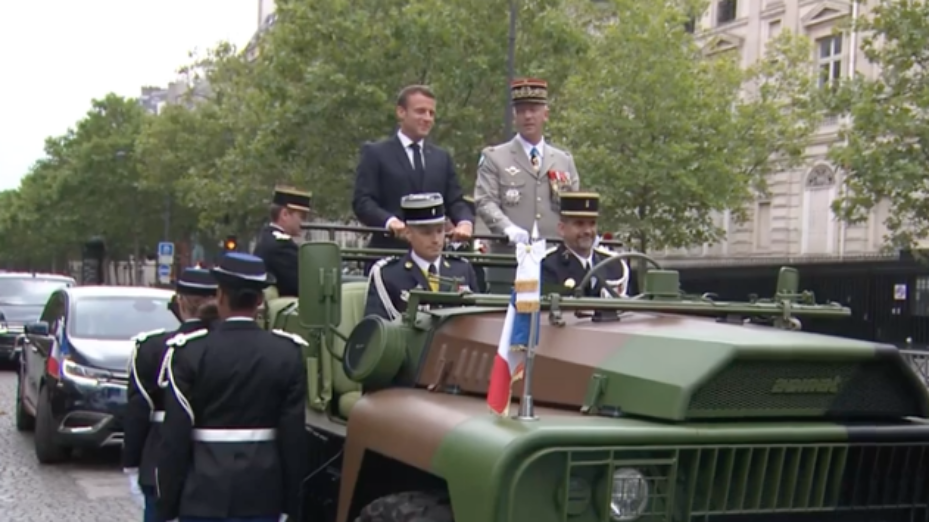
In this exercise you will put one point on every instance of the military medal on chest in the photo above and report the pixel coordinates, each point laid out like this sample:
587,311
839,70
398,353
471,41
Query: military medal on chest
511,196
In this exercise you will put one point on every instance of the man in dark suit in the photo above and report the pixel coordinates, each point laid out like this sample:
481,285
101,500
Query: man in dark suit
275,246
405,164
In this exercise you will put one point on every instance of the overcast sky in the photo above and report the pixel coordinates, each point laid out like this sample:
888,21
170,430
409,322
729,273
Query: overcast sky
60,54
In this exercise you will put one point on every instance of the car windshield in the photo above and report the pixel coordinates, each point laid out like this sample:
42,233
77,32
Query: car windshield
28,291
21,313
119,317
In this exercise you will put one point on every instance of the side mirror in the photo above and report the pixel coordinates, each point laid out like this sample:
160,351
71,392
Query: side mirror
320,284
39,328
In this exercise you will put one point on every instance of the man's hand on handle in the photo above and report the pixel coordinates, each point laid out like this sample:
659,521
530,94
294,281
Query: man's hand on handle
463,231
396,227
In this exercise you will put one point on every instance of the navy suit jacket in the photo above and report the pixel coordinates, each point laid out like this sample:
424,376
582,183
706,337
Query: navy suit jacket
385,175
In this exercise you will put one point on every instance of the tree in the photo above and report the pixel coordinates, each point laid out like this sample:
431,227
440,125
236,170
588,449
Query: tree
670,136
102,192
32,223
224,170
331,71
178,153
87,184
884,156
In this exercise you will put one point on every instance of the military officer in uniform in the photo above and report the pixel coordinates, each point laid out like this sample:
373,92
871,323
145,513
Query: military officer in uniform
423,266
519,182
196,289
565,266
233,444
289,209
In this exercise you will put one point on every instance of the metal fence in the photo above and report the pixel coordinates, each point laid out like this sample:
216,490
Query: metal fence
919,360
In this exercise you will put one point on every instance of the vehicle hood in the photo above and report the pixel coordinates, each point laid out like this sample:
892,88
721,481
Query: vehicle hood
104,354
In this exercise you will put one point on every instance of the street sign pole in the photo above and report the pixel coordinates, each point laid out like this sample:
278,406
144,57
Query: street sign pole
165,262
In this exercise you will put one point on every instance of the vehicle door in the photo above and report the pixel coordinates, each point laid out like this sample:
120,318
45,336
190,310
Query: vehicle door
38,347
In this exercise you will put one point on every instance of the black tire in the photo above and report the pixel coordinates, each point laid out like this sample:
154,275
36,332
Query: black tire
24,421
47,448
411,506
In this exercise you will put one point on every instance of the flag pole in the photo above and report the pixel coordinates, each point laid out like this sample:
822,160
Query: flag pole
526,405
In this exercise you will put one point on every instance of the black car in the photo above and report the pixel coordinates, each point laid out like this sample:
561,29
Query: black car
75,365
22,298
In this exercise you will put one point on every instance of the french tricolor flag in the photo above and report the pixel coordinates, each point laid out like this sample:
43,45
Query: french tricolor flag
514,339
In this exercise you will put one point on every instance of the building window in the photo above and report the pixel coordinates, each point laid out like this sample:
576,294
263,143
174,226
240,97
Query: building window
774,29
820,176
920,297
726,11
763,226
829,57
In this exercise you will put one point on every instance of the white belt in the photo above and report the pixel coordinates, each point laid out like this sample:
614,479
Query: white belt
234,435
157,416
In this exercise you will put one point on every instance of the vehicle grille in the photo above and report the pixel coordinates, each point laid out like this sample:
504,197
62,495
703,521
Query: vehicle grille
744,388
885,482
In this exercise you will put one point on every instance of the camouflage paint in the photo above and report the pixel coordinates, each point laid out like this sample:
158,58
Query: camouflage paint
478,457
651,362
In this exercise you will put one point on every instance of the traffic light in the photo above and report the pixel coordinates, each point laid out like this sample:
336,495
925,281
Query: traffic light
230,244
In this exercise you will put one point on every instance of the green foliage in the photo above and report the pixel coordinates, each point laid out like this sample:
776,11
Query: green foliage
884,156
666,134
671,137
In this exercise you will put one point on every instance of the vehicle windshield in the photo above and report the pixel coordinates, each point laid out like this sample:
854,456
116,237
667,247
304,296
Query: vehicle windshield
27,291
21,313
119,317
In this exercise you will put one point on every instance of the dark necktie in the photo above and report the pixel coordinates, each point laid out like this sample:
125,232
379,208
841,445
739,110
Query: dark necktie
418,165
589,289
433,278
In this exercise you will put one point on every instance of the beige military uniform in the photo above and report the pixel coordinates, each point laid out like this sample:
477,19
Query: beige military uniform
510,192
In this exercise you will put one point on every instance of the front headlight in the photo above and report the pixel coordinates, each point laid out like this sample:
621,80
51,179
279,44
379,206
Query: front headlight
4,328
630,495
83,374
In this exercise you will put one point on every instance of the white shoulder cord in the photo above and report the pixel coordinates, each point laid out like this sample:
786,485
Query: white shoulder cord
178,340
163,371
392,311
135,377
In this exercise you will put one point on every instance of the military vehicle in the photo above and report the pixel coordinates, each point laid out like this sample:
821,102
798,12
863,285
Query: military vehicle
657,408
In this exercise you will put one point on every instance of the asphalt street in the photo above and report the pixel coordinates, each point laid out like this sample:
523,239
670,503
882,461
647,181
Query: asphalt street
91,488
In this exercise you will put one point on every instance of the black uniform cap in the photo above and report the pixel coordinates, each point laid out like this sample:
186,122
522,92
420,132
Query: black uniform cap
292,198
239,270
423,209
196,281
580,204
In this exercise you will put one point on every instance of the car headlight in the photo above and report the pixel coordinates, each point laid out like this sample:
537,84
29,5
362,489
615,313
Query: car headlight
83,374
629,498
4,328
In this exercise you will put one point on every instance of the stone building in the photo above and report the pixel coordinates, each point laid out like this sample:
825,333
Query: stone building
795,220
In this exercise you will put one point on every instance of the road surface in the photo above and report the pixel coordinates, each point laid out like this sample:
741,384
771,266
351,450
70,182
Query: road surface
91,488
